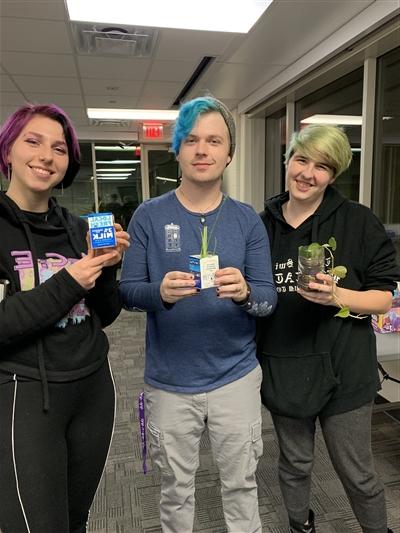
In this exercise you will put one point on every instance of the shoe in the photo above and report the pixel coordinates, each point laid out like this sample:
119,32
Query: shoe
295,527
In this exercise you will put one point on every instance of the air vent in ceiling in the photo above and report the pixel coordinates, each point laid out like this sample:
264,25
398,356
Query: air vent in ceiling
112,123
121,40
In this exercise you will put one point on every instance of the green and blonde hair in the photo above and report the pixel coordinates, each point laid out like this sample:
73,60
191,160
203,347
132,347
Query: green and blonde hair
324,143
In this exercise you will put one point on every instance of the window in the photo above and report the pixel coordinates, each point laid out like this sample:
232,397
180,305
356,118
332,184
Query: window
119,179
275,149
342,97
386,174
79,197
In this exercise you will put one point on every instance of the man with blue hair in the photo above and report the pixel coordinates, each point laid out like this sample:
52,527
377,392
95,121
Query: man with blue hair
201,366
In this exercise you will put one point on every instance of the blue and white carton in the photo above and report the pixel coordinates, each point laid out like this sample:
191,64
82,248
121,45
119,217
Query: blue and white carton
203,269
101,230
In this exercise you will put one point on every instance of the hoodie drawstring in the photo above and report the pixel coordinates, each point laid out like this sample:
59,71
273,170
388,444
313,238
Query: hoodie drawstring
39,344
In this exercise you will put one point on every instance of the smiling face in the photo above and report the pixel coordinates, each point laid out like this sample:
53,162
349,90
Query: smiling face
39,159
306,179
204,154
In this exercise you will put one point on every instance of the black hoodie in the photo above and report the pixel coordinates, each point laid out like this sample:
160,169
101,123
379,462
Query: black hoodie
50,326
312,361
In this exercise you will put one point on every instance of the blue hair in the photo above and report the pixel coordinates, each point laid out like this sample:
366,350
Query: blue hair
188,115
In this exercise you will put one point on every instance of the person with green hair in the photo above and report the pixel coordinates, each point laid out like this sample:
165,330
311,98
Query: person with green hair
316,365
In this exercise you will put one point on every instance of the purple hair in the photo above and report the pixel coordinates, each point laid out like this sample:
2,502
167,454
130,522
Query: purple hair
20,118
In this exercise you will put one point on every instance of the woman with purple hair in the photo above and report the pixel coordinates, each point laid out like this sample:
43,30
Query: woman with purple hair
56,390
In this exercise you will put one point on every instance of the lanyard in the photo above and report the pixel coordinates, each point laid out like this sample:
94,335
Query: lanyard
142,423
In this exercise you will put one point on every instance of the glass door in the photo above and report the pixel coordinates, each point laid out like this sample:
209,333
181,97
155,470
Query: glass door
160,170
118,179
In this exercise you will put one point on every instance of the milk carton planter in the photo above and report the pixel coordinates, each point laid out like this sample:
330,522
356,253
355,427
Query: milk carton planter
203,269
204,265
101,230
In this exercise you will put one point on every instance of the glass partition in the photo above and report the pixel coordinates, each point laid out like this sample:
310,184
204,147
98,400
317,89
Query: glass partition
275,148
163,170
79,197
119,179
386,174
342,97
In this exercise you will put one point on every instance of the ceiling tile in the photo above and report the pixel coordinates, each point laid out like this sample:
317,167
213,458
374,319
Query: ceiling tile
26,63
34,35
112,87
38,9
5,111
146,102
153,89
112,101
113,67
7,84
186,45
12,99
46,84
71,100
172,70
232,80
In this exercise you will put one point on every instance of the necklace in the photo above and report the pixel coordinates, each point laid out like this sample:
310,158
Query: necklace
202,212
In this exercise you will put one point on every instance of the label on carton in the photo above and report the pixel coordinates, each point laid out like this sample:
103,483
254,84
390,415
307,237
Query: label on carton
203,269
101,230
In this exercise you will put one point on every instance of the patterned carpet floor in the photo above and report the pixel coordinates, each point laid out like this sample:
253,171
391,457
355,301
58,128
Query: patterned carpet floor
127,499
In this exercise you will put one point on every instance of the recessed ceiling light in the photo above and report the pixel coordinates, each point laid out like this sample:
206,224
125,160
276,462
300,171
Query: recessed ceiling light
211,15
132,114
166,179
344,120
110,148
115,177
119,162
114,169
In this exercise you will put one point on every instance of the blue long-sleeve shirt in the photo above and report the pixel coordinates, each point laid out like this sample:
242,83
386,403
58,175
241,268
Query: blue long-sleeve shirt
202,342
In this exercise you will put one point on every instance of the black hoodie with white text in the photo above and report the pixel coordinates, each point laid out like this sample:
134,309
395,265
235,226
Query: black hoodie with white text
314,362
50,326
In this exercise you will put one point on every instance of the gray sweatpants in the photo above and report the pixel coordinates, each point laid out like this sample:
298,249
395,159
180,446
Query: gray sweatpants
174,427
348,440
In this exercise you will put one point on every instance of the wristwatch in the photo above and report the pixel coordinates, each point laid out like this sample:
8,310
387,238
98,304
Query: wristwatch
246,300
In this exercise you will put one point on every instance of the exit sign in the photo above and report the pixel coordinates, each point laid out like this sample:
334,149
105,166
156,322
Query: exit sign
153,131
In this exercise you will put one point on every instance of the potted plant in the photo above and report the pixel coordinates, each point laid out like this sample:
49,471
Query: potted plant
311,260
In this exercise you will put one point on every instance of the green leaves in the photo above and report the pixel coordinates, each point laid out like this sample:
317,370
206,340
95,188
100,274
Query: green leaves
332,243
339,272
312,251
344,312
204,243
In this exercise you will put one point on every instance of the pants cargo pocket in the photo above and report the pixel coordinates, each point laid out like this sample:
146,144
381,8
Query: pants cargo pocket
157,449
256,445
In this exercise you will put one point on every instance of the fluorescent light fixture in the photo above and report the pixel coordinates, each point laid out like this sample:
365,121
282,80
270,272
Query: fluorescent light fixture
119,174
131,114
166,179
119,162
104,178
356,149
114,169
210,15
110,148
345,120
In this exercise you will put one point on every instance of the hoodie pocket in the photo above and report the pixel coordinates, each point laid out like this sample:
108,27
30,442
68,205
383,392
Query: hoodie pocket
297,385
